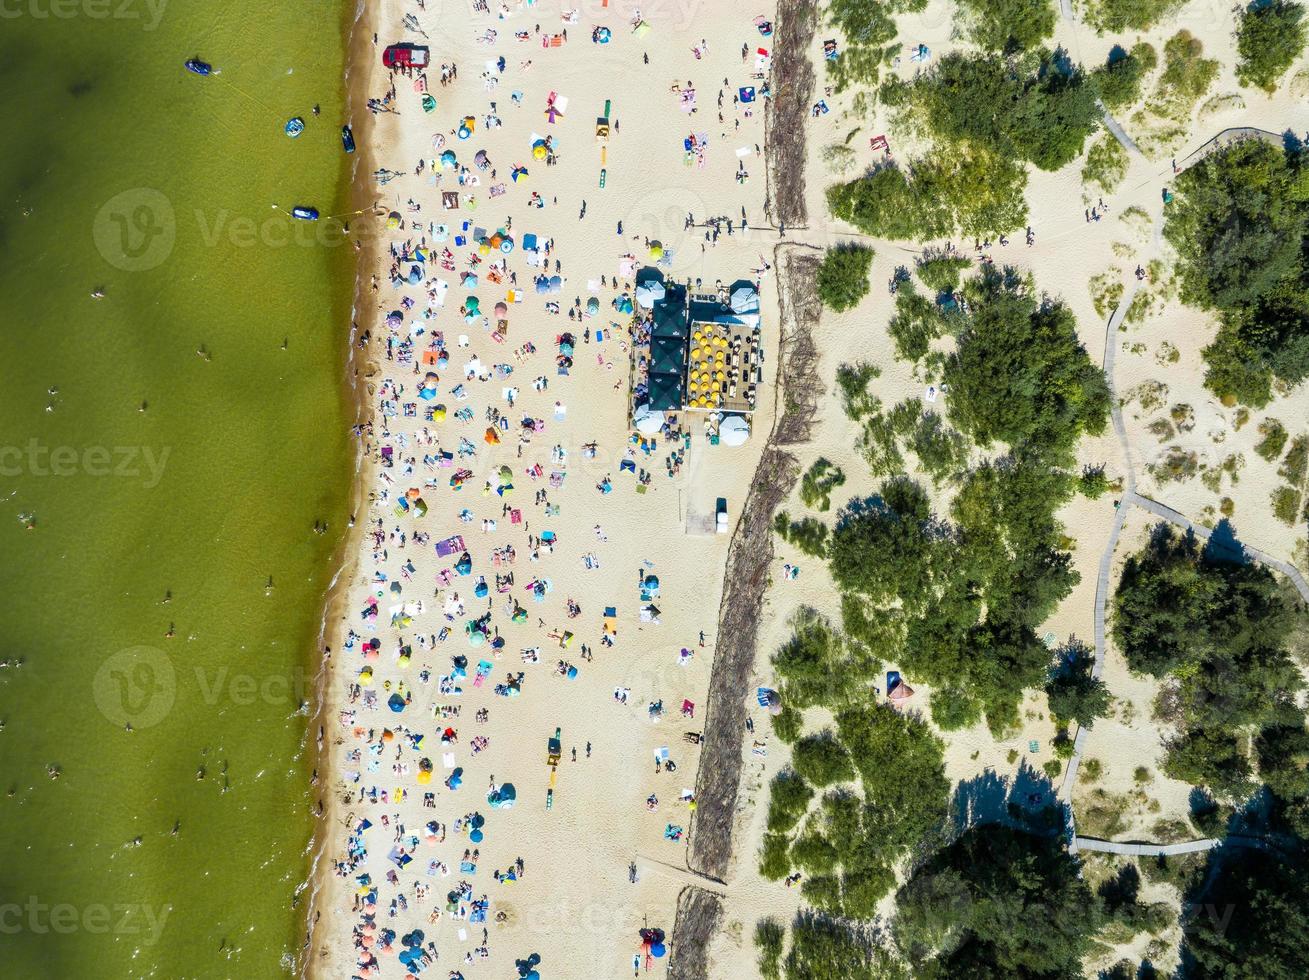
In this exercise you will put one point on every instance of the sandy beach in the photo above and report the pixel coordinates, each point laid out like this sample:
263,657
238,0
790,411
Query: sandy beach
584,548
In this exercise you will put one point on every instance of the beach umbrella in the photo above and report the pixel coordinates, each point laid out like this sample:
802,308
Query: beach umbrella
473,305
518,173
477,837
393,219
438,140
448,160
396,703
394,318
501,309
481,160
438,413
539,151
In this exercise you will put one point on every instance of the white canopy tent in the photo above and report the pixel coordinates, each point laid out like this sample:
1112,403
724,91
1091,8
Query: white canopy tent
734,431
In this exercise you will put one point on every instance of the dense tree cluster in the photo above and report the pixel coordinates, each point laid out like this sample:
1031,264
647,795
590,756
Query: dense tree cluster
1216,631
1252,918
1076,696
955,599
971,190
883,774
997,902
1238,222
1010,26
1270,37
1021,376
1038,108
989,114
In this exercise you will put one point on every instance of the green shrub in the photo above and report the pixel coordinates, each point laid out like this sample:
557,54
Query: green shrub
1009,26
788,723
1286,505
853,381
775,857
843,276
1114,16
1106,165
822,759
1120,80
940,271
1295,466
1273,441
788,798
769,935
818,483
1093,483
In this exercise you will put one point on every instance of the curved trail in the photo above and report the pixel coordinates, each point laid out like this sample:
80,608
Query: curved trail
1131,498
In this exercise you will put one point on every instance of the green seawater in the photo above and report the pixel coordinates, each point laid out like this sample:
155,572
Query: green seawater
175,849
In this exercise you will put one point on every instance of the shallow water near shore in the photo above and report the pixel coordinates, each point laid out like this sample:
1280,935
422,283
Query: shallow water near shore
173,443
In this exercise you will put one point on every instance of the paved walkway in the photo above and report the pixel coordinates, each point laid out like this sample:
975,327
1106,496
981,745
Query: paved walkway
1120,134
1131,498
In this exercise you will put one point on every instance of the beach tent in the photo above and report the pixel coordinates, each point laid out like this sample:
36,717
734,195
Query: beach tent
744,298
670,320
647,421
648,293
900,693
734,430
665,392
667,356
